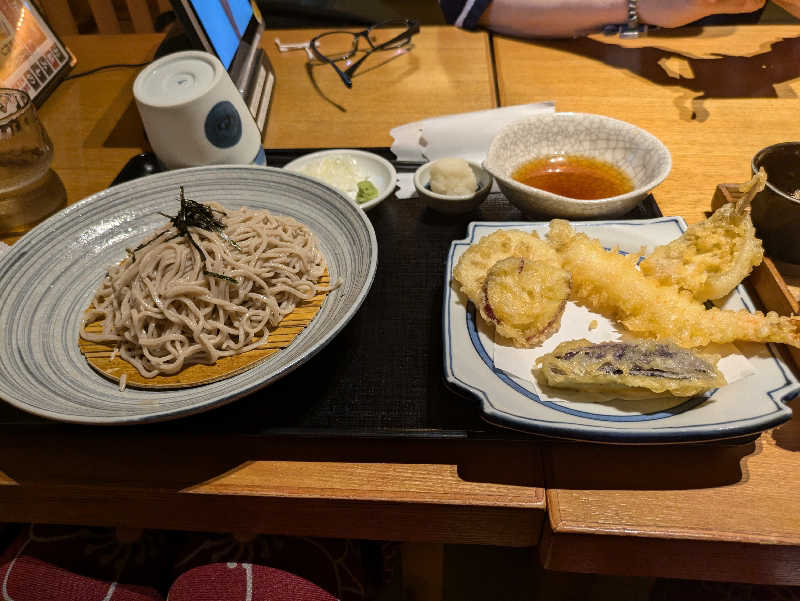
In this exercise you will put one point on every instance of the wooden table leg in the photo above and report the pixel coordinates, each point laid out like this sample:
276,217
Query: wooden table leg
423,571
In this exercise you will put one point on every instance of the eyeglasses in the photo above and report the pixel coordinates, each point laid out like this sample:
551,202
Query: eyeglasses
335,46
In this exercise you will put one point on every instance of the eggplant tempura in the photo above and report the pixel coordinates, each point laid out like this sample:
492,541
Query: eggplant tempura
630,370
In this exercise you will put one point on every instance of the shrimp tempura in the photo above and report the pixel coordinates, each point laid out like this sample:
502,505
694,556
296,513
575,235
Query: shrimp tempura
609,283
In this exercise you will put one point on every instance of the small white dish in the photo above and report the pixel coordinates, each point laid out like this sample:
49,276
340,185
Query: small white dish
375,168
453,205
639,154
741,408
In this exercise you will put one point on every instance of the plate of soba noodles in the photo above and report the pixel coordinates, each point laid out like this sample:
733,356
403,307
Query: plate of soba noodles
178,292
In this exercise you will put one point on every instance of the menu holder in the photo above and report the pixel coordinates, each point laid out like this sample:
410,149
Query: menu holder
766,279
32,57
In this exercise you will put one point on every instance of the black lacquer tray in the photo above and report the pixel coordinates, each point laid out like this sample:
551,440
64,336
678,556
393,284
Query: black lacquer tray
382,375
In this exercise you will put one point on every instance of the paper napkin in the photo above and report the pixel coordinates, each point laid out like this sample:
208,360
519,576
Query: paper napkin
3,248
465,135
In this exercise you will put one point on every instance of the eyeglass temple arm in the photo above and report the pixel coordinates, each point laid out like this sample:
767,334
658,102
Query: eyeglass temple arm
321,57
351,69
345,75
413,28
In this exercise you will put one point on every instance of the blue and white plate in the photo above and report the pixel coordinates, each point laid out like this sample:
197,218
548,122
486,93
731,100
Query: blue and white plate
49,276
746,406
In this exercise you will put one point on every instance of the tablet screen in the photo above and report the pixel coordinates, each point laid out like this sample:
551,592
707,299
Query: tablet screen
224,22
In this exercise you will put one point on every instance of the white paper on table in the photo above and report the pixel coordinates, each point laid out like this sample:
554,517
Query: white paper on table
405,185
575,325
465,135
3,248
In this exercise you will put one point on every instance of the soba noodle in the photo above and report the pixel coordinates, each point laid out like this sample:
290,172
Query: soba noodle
164,311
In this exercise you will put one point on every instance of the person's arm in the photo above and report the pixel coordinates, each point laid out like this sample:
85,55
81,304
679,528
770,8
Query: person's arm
566,18
551,18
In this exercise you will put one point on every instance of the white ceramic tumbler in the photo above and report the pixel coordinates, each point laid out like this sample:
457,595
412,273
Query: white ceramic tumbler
193,113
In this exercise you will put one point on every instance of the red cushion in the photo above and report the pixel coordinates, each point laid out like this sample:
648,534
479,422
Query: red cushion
334,565
243,582
28,579
31,571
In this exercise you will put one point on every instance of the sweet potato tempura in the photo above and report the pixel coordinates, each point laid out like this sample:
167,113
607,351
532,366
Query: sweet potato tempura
524,299
515,280
609,283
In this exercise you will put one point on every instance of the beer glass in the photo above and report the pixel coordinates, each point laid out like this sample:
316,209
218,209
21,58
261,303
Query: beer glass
25,148
26,186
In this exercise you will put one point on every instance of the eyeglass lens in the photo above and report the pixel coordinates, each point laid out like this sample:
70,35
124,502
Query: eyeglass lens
388,34
338,45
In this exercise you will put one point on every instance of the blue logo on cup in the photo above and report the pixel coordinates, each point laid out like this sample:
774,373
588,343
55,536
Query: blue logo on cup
223,125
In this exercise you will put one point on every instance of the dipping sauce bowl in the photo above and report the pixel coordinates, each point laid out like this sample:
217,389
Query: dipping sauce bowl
636,152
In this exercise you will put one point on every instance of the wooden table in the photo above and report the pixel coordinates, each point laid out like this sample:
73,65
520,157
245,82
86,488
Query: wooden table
714,97
443,491
447,71
725,512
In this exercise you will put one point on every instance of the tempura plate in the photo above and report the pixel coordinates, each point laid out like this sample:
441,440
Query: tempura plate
745,407
49,276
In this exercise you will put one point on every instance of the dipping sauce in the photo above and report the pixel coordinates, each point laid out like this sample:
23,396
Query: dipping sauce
574,176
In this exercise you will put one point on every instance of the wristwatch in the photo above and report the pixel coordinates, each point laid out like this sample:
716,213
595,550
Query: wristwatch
632,28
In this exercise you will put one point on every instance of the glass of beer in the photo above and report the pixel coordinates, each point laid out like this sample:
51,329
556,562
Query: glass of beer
25,156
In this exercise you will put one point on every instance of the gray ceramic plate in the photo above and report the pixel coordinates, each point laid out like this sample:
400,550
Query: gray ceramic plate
49,276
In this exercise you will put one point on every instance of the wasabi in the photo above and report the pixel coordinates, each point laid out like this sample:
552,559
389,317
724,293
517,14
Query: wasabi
366,191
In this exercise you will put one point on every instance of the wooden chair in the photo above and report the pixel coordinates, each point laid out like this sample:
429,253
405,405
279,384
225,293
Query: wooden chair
66,16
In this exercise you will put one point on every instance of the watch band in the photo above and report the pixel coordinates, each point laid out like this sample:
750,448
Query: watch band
632,28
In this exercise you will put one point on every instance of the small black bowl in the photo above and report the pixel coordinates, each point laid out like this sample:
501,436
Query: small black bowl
775,212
